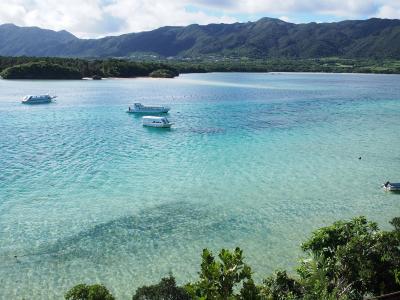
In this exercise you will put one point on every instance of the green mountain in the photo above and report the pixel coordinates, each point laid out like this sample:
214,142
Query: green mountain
266,38
17,41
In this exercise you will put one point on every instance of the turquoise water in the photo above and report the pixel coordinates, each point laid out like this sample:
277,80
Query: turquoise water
254,160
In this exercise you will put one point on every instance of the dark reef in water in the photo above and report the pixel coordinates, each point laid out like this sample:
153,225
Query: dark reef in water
163,224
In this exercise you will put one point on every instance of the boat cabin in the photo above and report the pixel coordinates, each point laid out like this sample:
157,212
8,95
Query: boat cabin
153,121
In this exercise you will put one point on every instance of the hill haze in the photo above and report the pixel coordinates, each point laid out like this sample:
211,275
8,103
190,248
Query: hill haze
265,38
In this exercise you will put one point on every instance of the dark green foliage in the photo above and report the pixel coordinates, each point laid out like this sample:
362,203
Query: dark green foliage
69,68
218,278
249,291
166,289
281,286
126,68
89,292
348,260
163,73
355,258
266,38
327,240
396,224
328,65
40,70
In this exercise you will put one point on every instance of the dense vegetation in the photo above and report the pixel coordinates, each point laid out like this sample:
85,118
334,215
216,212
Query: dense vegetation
92,292
266,38
40,70
163,73
329,65
348,260
68,68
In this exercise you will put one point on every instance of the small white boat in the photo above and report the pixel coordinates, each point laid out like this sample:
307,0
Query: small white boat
30,99
160,122
392,187
144,109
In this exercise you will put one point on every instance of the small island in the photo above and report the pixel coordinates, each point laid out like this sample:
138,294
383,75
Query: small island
71,68
40,70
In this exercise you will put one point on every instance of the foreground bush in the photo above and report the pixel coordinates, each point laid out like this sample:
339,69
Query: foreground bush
281,286
353,258
165,289
348,260
89,292
218,278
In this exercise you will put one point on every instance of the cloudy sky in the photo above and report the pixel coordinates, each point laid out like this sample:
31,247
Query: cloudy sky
96,18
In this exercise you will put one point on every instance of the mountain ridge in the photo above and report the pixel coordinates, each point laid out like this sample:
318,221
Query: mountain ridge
265,38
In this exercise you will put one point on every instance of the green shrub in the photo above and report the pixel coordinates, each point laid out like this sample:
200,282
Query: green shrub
166,289
348,260
89,292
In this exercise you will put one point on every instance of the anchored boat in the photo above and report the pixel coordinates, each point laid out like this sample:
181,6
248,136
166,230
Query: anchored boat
160,122
392,187
30,99
144,109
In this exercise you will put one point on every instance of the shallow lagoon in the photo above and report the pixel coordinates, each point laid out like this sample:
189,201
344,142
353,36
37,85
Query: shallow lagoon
255,160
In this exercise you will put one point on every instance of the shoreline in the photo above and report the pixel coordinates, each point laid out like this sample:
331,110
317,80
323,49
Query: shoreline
51,68
212,72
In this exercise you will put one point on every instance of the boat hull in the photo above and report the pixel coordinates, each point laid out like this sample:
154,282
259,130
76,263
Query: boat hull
392,187
37,101
158,125
158,111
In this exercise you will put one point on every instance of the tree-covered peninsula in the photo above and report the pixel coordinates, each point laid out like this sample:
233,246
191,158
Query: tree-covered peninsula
348,260
74,68
40,70
70,68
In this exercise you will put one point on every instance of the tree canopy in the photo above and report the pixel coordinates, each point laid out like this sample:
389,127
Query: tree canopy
347,260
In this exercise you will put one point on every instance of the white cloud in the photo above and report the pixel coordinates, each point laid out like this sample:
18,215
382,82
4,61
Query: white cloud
93,18
332,7
285,18
390,11
142,15
11,12
78,16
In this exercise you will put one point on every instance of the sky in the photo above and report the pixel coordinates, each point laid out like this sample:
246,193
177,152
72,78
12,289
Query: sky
98,18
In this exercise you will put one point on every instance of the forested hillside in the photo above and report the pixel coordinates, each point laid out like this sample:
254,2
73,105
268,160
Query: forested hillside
266,38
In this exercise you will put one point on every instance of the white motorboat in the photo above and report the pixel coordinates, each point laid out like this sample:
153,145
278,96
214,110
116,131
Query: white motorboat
30,99
144,109
160,122
392,187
